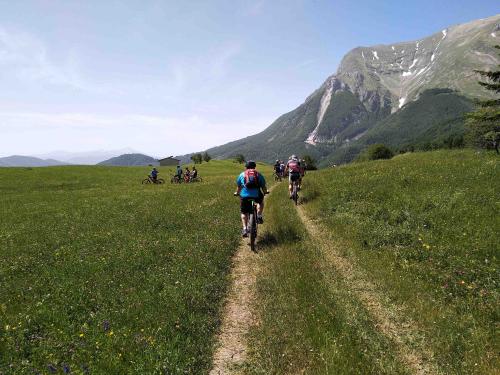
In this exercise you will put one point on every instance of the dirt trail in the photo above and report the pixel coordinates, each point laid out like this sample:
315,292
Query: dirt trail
411,352
237,316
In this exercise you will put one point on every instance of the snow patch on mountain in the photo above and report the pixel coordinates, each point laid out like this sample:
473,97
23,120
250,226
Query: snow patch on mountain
401,102
375,55
413,64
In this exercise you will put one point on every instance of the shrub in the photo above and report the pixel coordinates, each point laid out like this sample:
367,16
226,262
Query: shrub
310,163
239,158
376,152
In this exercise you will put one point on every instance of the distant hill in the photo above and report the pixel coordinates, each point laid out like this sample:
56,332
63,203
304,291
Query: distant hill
85,157
127,160
28,161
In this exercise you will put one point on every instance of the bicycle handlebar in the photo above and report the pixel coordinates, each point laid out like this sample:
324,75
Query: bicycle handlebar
237,195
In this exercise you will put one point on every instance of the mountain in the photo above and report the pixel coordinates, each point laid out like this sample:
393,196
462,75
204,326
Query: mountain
86,157
365,99
130,160
28,161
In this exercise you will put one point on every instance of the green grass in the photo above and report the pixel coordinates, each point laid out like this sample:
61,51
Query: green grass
308,321
425,227
104,275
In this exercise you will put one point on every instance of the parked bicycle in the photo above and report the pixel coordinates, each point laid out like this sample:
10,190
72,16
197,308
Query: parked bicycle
150,180
176,180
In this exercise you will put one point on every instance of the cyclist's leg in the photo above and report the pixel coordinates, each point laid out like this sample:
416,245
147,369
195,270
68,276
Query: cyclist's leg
290,183
245,208
260,204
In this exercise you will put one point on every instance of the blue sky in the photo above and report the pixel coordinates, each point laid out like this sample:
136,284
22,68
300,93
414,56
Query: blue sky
170,77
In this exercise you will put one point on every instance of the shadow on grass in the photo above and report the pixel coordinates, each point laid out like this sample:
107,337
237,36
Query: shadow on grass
268,240
309,196
278,237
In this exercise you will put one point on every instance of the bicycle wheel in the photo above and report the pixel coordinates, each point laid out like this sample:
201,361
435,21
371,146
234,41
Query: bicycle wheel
161,181
295,194
146,181
252,227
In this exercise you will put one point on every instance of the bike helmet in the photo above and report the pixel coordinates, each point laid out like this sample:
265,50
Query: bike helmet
250,164
293,157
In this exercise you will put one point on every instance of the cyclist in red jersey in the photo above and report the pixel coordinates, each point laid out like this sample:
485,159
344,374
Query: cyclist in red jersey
294,170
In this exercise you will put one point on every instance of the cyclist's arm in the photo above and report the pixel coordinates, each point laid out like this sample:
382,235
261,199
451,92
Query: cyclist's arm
262,183
239,185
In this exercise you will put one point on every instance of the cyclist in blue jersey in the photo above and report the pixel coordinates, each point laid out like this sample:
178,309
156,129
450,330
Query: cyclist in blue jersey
154,175
251,186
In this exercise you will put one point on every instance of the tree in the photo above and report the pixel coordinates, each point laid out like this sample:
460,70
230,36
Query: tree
197,158
483,124
206,157
310,163
239,158
376,152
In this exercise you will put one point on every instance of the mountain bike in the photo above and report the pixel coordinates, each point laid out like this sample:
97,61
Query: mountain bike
277,177
149,180
295,191
252,223
176,180
196,179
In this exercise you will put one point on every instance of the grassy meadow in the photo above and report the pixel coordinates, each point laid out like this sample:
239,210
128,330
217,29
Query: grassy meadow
102,275
308,321
425,228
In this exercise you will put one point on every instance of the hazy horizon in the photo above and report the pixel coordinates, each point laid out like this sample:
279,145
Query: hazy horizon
169,78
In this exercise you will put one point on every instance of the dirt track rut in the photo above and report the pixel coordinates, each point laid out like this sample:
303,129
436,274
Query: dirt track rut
238,317
387,319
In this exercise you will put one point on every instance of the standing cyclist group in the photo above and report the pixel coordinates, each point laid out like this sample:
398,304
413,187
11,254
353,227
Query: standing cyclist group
251,186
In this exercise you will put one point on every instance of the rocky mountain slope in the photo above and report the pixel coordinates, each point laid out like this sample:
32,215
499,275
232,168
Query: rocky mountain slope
374,83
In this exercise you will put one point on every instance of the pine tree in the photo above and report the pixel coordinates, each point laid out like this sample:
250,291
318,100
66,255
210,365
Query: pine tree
483,125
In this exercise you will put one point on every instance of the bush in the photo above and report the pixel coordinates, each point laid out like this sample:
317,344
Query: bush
310,163
197,158
239,158
206,157
376,152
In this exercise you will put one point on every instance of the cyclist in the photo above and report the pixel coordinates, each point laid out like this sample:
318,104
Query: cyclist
282,169
179,173
277,168
251,186
303,167
154,175
293,169
194,173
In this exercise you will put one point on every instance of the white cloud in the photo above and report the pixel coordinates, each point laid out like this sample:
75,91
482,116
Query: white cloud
26,57
34,133
256,7
203,70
